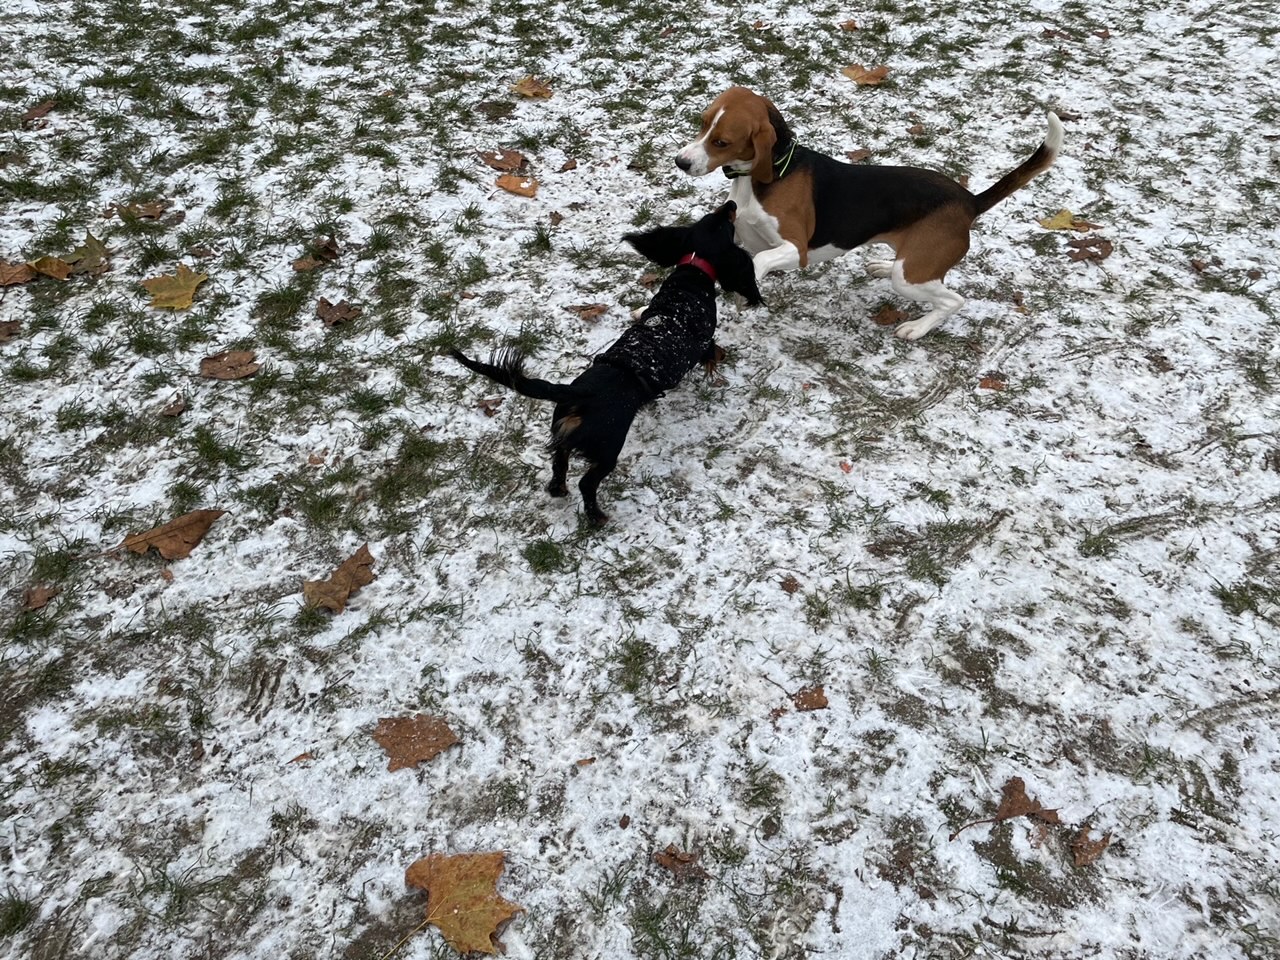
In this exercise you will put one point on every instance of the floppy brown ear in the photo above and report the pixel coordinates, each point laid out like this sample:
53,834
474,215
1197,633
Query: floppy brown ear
762,142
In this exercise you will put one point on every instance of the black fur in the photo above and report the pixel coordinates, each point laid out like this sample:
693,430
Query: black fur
593,414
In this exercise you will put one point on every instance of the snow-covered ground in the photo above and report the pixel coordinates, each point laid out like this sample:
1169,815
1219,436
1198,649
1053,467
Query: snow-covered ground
1074,580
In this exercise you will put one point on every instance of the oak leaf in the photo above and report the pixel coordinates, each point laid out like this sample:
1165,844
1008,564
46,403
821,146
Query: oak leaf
1091,249
335,313
1014,802
506,161
229,365
9,329
866,76
352,574
410,740
532,87
520,186
14,273
463,899
175,539
35,598
1085,851
810,698
54,267
176,291
683,865
588,311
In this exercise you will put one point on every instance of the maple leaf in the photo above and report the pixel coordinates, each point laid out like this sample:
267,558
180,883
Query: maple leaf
866,76
352,574
38,111
323,250
175,539
588,311
520,186
14,273
9,329
229,365
1085,851
683,865
335,313
174,291
1014,802
810,698
1092,249
89,257
862,153
410,740
507,161
1066,220
463,899
35,598
532,87
887,316
54,267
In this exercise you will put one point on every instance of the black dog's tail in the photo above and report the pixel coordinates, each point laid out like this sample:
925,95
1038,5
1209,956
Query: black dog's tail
506,366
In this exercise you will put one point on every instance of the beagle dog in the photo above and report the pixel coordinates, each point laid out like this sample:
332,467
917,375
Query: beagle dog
797,206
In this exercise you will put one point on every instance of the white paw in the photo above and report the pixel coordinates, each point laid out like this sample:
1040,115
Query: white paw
879,268
912,329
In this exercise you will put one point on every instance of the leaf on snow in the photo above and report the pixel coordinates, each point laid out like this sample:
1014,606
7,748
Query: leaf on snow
810,698
866,76
588,311
230,365
38,111
352,574
888,316
990,382
505,161
1066,220
1089,248
855,156
335,313
532,87
463,899
789,583
849,26
175,539
36,598
520,186
1085,851
54,267
150,210
174,407
683,865
1014,802
490,406
14,273
9,329
175,291
89,257
410,740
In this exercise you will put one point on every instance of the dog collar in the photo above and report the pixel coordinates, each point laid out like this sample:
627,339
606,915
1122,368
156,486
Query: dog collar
693,260
781,165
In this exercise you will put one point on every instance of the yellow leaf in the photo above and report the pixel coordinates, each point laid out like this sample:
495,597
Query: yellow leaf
865,76
532,87
54,267
177,291
1061,220
463,899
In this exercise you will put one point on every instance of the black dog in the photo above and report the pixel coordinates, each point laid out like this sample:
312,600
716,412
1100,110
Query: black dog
672,336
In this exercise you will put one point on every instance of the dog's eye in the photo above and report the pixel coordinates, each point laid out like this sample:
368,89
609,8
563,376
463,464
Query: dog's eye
719,144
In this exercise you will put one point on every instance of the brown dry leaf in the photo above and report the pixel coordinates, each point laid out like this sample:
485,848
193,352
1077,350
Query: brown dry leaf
1085,851
463,899
888,316
588,311
1089,248
810,698
846,466
335,313
916,129
9,329
584,762
409,741
683,865
520,186
174,407
54,267
37,597
38,111
507,161
230,365
175,539
532,87
326,248
1103,34
89,257
176,291
556,218
166,575
789,583
302,757
990,382
14,273
866,76
352,574
649,279
569,165
307,263
150,210
855,156
1014,802
490,405
849,26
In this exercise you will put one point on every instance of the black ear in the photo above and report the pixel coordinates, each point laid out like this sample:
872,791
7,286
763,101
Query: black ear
737,274
664,246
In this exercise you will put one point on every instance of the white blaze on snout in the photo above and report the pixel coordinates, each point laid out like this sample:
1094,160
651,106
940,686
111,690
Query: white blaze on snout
696,153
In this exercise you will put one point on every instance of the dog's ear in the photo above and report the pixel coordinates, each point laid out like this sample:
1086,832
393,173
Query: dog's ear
762,141
664,246
737,274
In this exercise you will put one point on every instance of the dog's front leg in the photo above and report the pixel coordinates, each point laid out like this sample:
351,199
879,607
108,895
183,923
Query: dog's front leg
786,256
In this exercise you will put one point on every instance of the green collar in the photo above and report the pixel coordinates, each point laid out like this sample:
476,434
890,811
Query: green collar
782,165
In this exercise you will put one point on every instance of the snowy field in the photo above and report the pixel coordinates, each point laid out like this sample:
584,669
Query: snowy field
1041,543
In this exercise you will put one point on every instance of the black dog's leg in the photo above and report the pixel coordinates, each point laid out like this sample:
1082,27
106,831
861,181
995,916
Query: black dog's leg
559,473
589,484
711,361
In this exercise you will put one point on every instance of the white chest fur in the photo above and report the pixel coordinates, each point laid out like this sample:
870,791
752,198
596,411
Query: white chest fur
754,228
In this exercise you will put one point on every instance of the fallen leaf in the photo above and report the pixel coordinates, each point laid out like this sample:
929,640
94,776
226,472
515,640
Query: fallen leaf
89,257
14,273
849,26
1014,802
409,741
569,165
352,574
1103,34
585,762
9,329
166,575
37,597
1159,362
175,539
1066,220
649,279
963,180
504,160
521,186
38,111
326,248
888,316
150,210
174,407
316,459
866,76
462,898
335,313
624,821
230,365
307,263
683,865
54,267
489,405
302,757
758,25
176,291
1254,274
855,156
991,383
532,87
1085,851
916,129
588,311
1089,248
789,583
1051,34
810,698
556,218
846,466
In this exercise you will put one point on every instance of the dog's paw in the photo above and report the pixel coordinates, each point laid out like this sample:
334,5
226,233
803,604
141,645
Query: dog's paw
912,329
557,489
597,519
879,268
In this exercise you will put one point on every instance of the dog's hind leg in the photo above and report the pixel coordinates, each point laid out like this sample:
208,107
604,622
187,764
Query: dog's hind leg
590,484
943,301
559,473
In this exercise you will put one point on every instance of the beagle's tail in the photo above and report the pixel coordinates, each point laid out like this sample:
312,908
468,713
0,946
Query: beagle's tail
507,368
1036,164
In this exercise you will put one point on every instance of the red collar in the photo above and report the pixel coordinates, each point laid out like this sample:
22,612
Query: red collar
693,260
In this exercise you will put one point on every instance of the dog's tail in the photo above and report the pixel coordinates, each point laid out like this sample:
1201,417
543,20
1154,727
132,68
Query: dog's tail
1036,164
506,366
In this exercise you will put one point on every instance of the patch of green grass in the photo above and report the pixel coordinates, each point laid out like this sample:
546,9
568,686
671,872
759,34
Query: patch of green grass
15,914
545,556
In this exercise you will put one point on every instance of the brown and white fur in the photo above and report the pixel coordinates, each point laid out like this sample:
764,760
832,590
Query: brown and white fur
797,206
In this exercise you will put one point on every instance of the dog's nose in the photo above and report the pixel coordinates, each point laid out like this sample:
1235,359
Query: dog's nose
684,163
